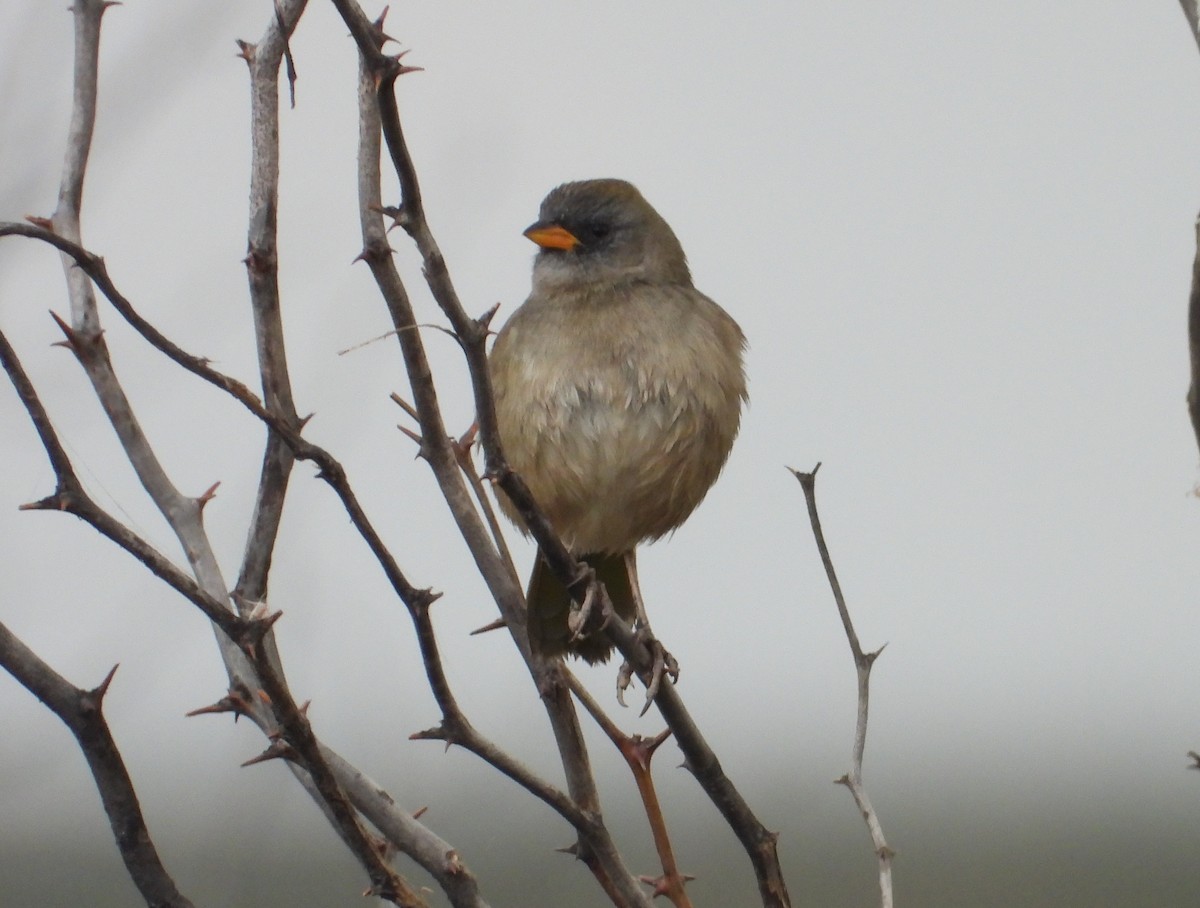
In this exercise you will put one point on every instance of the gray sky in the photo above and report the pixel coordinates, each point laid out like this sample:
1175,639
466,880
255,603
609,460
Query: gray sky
959,239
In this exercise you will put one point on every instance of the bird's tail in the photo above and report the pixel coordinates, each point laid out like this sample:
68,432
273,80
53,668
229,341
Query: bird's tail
550,604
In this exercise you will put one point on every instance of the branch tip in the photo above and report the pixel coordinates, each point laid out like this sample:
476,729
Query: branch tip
437,733
55,502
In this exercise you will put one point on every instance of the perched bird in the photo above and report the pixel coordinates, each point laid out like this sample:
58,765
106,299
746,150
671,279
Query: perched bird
619,389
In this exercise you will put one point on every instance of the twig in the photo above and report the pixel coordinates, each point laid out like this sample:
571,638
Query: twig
81,711
862,664
638,752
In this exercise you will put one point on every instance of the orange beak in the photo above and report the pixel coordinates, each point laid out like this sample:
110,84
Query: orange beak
552,236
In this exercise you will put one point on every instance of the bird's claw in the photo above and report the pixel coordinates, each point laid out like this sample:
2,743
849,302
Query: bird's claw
664,665
624,679
580,619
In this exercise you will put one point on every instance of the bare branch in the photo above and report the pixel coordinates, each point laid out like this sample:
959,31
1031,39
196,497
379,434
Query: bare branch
262,272
183,515
69,496
638,752
862,664
81,711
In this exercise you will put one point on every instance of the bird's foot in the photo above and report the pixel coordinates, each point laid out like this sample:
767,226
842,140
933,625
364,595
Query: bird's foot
589,618
664,666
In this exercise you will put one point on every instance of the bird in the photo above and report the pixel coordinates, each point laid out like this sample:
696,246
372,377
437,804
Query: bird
618,388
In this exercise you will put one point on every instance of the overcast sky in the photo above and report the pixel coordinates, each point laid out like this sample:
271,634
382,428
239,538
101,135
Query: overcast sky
959,239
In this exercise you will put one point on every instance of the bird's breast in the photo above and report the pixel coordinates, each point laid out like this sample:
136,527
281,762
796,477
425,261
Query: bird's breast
619,416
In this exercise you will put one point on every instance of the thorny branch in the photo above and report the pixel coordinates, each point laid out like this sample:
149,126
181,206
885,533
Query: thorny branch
862,664
246,633
247,654
81,711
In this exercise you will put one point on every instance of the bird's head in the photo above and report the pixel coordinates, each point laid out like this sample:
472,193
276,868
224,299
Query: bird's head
603,231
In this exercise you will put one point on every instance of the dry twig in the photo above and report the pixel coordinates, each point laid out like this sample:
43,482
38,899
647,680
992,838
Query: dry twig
862,665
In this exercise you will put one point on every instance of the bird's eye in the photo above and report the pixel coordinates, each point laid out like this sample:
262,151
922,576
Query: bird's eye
600,231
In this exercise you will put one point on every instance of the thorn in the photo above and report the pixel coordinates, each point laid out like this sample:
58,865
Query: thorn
245,50
419,812
572,849
486,319
844,780
662,884
72,338
208,495
398,214
492,626
276,750
381,38
99,691
232,702
44,223
404,405
467,439
412,435
399,69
